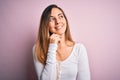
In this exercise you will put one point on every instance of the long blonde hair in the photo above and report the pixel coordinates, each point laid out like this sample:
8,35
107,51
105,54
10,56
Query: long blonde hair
42,41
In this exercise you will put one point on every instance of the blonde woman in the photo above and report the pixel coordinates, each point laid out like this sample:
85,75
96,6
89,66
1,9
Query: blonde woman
56,55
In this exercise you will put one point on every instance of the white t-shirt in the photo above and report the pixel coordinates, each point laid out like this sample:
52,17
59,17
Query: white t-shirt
75,67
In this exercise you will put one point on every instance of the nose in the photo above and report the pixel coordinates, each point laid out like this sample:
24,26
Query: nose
57,20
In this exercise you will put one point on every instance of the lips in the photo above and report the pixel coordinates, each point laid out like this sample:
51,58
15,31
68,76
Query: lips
58,27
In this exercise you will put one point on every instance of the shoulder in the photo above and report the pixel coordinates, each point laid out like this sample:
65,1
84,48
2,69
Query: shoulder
80,47
33,49
33,52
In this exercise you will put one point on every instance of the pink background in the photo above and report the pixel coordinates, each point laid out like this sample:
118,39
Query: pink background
96,23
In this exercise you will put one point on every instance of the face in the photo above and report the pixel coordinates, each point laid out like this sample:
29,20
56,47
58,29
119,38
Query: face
57,22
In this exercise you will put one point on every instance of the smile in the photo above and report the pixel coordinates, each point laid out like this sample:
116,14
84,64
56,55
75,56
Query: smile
58,27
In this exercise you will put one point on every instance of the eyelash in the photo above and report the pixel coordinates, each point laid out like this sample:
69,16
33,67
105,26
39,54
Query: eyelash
53,19
61,16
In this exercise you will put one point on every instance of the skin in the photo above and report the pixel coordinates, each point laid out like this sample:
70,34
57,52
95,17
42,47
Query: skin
57,26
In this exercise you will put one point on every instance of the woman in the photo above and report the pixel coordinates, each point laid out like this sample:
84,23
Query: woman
56,55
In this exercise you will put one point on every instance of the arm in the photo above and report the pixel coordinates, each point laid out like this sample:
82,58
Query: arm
47,72
83,65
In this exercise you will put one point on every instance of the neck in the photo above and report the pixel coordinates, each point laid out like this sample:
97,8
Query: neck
62,41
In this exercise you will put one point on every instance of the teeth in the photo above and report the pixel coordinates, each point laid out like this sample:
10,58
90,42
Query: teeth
58,27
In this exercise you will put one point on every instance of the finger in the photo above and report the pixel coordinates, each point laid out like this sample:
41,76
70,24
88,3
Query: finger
54,38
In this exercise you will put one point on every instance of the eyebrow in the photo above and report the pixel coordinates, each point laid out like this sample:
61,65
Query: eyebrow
58,14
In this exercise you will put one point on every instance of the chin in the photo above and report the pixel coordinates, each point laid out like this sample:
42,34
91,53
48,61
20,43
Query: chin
60,33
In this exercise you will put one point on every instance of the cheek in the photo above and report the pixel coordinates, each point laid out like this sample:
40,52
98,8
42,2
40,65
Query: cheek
51,25
51,29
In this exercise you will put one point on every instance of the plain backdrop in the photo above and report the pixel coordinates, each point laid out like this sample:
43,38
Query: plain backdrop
96,23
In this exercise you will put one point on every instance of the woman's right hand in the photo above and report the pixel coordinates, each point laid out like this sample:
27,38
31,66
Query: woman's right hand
54,38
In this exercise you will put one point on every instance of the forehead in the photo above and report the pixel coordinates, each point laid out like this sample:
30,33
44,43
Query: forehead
55,11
